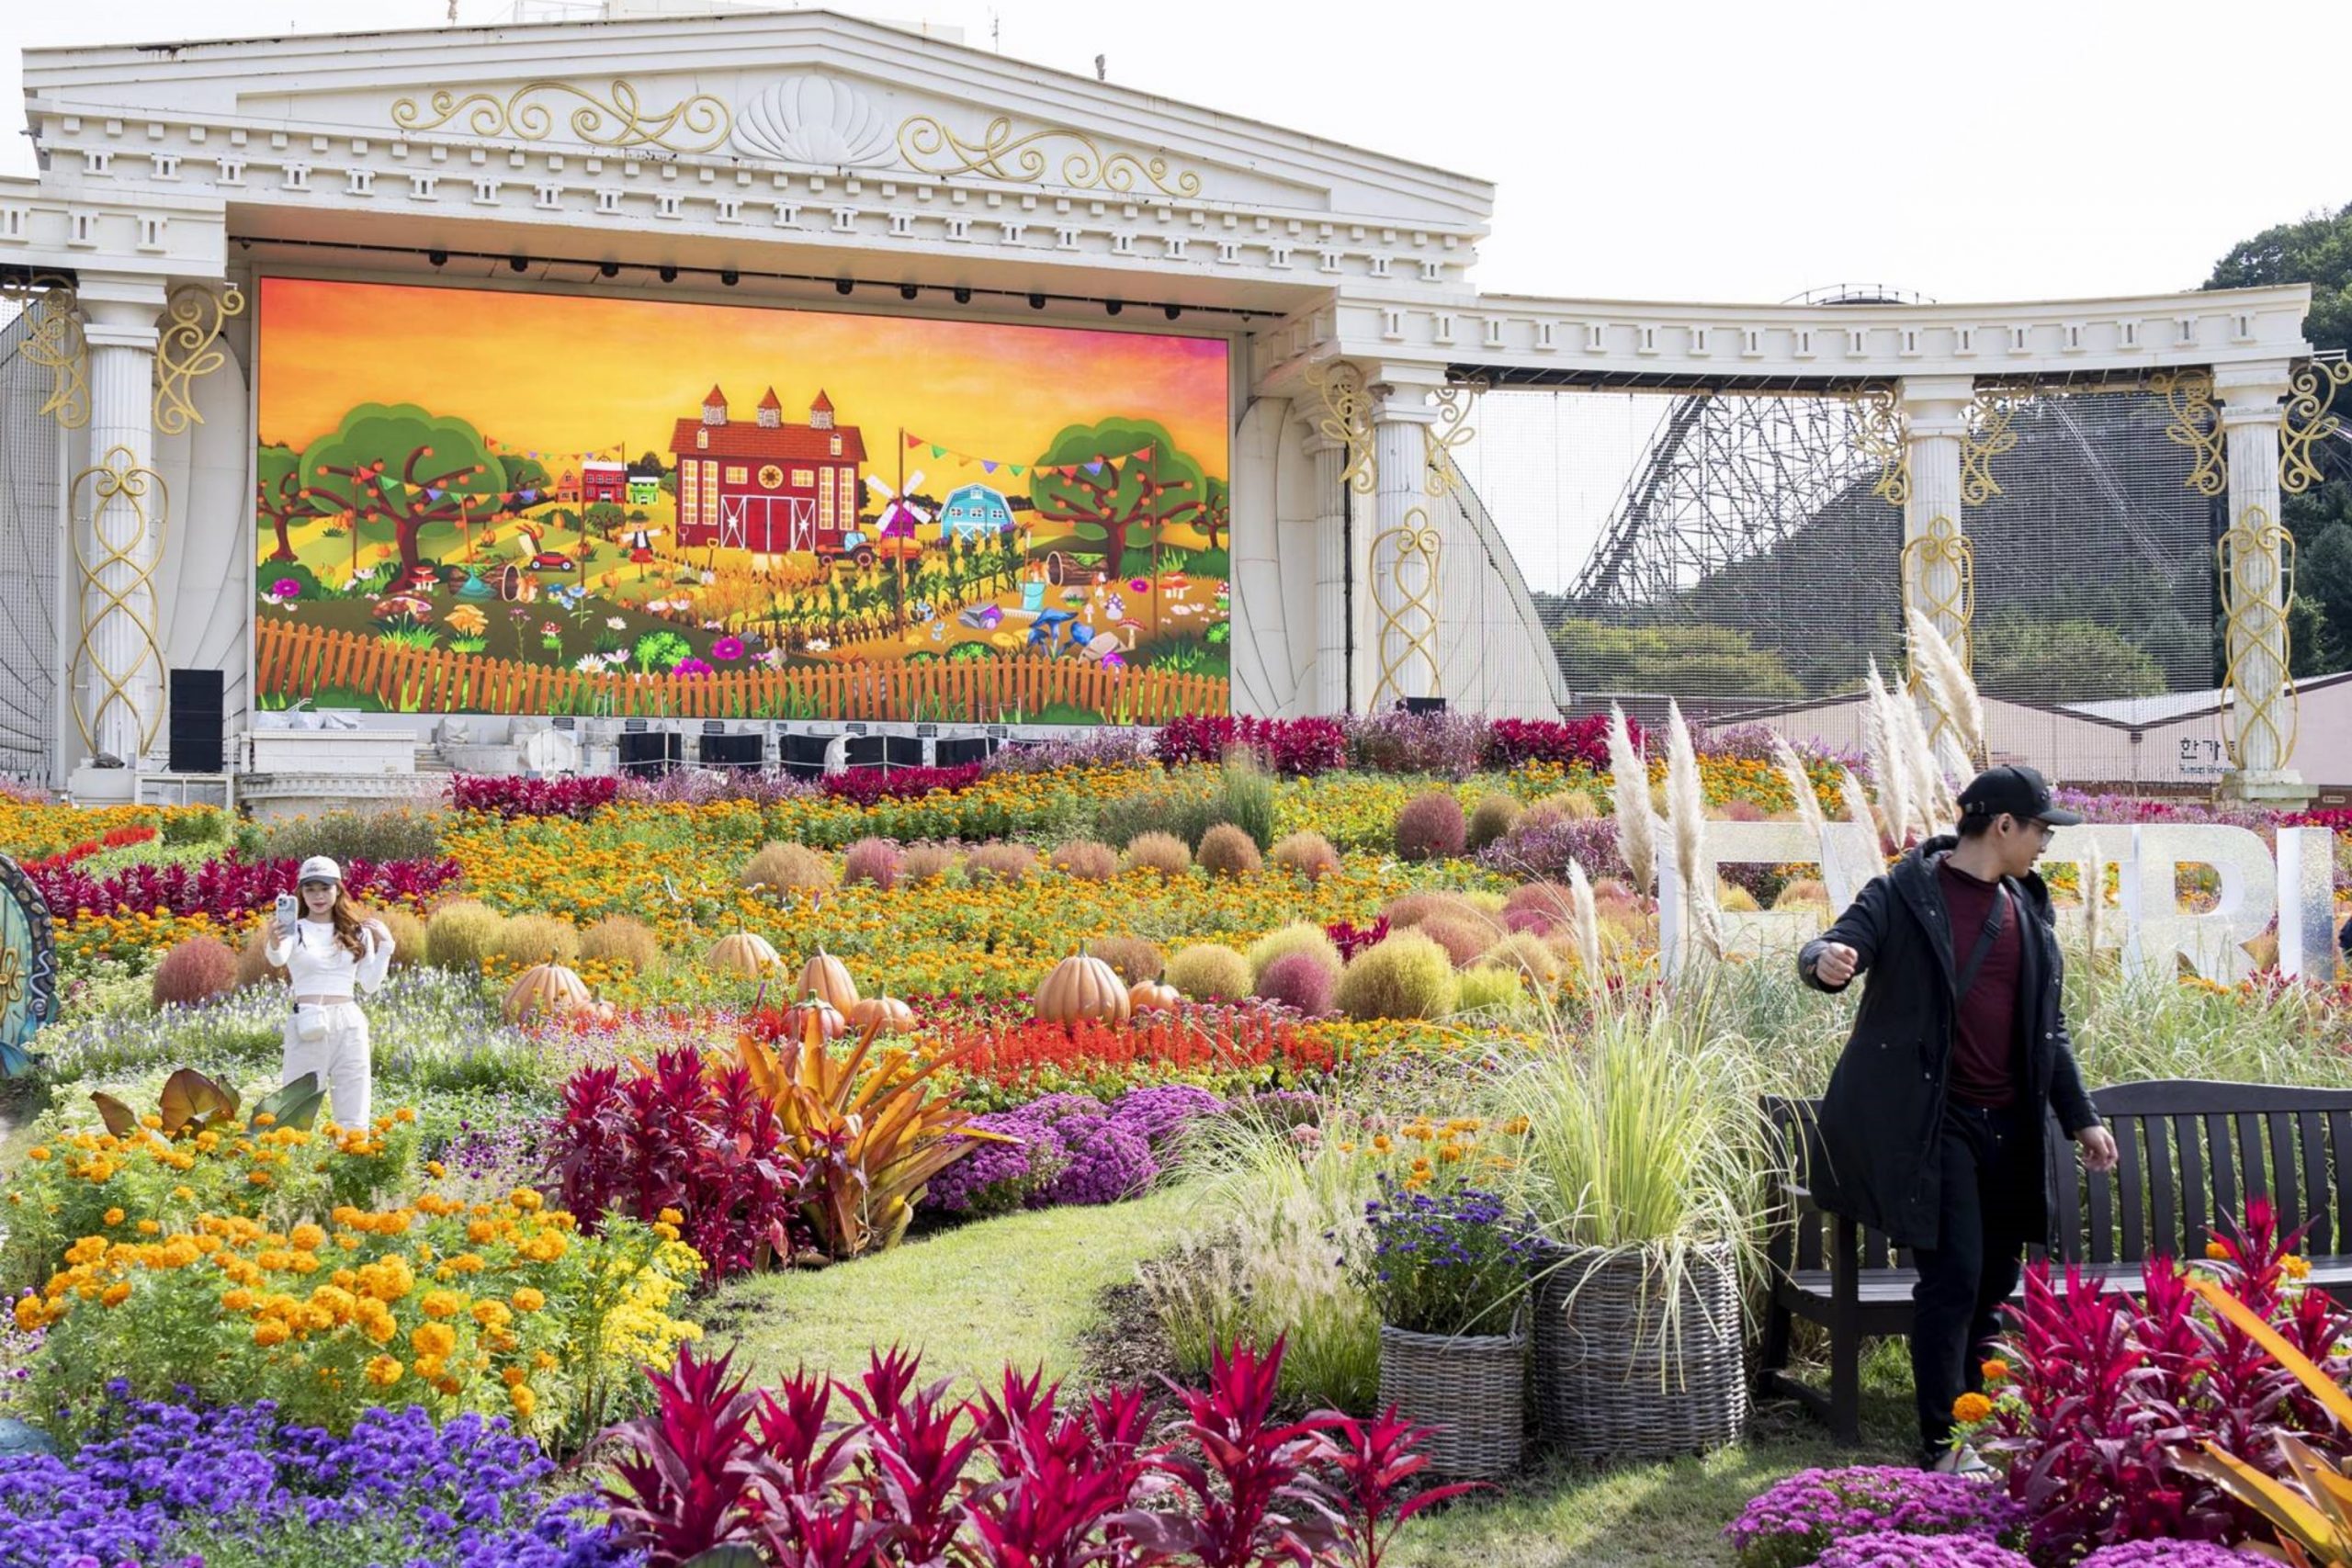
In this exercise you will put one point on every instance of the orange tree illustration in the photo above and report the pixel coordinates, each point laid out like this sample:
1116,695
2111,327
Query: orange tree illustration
397,463
1216,516
1122,504
279,495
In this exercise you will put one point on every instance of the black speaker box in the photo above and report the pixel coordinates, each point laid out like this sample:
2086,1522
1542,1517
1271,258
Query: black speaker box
956,753
197,724
1424,705
803,756
902,751
865,751
651,753
730,752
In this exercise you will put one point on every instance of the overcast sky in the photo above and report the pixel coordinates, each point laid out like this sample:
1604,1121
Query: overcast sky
1716,150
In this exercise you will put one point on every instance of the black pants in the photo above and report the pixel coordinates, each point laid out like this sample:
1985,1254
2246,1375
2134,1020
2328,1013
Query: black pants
1990,1180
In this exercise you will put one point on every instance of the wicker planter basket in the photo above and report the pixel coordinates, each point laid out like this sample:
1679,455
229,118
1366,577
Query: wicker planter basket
1609,1381
1472,1387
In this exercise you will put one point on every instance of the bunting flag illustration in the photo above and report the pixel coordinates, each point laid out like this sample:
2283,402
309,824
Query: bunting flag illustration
940,450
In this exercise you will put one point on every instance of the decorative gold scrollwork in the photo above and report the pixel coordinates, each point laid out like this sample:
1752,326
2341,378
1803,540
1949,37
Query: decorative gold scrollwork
55,341
2195,424
2308,418
1984,436
2256,561
693,124
117,556
1347,420
1084,167
1881,431
1404,594
1452,430
1940,581
186,351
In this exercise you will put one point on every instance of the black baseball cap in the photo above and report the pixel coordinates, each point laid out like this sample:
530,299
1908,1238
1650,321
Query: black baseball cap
2021,792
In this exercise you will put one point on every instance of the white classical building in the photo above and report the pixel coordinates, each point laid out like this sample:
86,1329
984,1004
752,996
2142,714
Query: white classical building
806,159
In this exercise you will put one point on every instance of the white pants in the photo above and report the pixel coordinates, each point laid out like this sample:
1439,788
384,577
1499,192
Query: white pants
339,1057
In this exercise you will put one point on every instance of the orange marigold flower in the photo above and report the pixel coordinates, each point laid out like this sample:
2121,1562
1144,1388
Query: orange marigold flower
1996,1371
434,1339
270,1332
443,1304
523,1401
2296,1268
37,1152
1970,1408
384,1371
404,1115
149,1227
308,1237
114,1216
29,1314
2216,1251
115,1294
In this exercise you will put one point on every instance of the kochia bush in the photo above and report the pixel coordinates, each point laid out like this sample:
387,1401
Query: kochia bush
1430,827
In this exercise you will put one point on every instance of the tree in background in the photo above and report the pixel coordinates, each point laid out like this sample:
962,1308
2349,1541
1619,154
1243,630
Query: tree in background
279,495
1117,505
1217,515
2317,251
525,474
2062,662
1685,658
397,463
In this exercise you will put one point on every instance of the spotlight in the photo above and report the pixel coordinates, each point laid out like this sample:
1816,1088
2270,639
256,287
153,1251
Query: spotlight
520,264
610,270
1037,301
907,291
843,285
1113,307
962,296
668,275
438,258
730,277
1172,312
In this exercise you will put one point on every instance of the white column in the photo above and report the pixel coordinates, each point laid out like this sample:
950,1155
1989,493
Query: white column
2255,587
1330,459
117,622
1935,410
1402,580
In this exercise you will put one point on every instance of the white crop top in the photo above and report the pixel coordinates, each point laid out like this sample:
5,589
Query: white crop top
321,966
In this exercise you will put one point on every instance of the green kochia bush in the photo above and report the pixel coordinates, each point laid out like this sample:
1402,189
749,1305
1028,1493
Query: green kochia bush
351,835
1206,972
1403,975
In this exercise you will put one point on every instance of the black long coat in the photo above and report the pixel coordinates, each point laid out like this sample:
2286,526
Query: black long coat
1881,1117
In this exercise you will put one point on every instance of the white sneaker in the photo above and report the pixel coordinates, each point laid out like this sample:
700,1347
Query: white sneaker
1965,1460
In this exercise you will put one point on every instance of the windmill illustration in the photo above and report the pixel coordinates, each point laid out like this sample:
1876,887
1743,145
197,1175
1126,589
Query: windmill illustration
901,515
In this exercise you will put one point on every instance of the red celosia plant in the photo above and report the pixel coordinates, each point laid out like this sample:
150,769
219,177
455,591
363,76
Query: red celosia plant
1296,747
1237,1045
1510,741
699,1142
1012,1479
2105,1390
228,890
865,786
114,839
1352,940
577,796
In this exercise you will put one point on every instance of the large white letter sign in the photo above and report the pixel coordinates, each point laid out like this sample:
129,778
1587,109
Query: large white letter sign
2212,942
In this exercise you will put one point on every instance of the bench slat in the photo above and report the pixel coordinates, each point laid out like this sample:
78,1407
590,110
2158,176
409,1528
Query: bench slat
2188,1135
2339,1146
2285,1190
2321,1238
2131,1176
2163,1217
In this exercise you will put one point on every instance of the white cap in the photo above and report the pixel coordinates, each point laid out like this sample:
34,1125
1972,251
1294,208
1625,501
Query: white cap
319,868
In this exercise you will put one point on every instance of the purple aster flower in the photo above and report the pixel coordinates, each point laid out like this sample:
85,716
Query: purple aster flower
1891,1549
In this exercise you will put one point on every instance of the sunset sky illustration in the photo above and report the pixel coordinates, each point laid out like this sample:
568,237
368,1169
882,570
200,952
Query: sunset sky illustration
564,374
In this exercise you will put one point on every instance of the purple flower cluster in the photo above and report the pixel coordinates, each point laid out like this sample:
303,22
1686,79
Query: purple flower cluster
1545,848
464,1493
1068,1148
2170,1554
1893,1549
1102,749
1791,1522
1444,1262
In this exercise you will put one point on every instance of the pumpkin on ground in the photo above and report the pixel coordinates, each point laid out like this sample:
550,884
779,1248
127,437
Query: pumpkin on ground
1146,996
547,988
1083,988
830,1024
887,1014
746,953
826,979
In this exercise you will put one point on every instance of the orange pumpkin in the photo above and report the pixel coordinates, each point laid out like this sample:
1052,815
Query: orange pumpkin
547,988
1144,995
1083,988
887,1013
826,979
746,953
830,1023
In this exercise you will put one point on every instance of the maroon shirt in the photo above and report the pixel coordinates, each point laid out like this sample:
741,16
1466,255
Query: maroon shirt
1984,1034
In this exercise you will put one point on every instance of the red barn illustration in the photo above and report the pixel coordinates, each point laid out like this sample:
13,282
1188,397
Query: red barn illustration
766,486
602,480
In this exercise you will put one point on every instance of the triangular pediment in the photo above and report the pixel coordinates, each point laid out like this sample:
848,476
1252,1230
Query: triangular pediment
796,93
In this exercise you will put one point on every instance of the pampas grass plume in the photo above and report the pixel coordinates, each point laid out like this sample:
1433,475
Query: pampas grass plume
1808,805
1884,742
1588,926
1950,686
1686,804
1629,788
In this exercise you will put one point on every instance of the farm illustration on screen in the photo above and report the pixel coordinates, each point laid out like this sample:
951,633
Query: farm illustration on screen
469,501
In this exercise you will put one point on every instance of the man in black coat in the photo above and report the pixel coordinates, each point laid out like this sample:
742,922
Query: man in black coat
1934,1125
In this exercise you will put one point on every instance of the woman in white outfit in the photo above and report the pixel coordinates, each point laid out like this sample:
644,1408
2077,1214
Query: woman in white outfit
327,952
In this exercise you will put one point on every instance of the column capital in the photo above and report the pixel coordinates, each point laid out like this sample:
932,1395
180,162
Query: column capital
1315,439
2250,394
121,309
1936,405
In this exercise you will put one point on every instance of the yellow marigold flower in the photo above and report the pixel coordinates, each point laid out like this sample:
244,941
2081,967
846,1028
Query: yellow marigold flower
270,1332
206,1143
29,1314
1970,1408
2215,1251
492,1314
264,1118
2296,1268
308,1237
184,1194
443,1304
116,1294
304,1263
149,1227
546,1362
258,1178
481,1231
428,1366
384,1371
666,1231
435,1169
37,1152
523,1401
1996,1371
379,1328
434,1339
1381,1143
114,1216
404,1115
152,1122
178,1253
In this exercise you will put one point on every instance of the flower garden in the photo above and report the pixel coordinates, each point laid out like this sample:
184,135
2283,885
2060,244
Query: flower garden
1078,1158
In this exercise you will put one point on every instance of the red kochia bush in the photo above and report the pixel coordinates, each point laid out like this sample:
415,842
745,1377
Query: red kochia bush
196,970
1302,980
1430,827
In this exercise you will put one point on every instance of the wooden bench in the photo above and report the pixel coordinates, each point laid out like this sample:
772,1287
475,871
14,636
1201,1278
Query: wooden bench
2191,1152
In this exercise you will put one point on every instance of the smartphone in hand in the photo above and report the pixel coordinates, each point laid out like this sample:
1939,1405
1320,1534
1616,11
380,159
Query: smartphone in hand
289,909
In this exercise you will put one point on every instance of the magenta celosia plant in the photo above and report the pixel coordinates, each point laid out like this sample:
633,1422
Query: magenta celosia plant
229,890
576,795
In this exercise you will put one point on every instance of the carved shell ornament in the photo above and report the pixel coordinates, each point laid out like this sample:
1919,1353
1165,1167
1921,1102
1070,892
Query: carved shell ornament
815,120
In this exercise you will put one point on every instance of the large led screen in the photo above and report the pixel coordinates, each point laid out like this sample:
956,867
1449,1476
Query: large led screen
483,502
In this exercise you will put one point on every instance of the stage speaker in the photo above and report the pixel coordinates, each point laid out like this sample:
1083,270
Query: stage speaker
863,751
741,751
956,753
197,726
1424,705
803,756
649,753
901,752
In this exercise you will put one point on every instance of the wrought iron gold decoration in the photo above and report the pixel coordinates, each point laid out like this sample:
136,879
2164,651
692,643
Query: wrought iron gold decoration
2308,418
1346,420
55,341
27,968
186,349
2253,557
1986,435
1881,431
2196,424
1404,587
1944,555
930,148
114,578
1452,429
618,120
